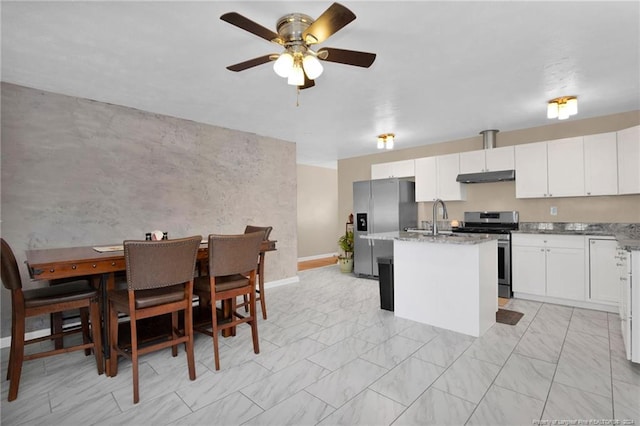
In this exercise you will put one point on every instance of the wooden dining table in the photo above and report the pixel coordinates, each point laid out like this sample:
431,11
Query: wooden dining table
101,263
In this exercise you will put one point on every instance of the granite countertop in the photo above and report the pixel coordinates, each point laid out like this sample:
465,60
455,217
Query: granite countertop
444,238
627,234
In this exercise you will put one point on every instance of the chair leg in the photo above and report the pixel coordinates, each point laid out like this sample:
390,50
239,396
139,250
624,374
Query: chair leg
13,343
56,327
260,279
245,300
84,322
134,357
96,334
254,322
188,331
174,332
17,356
214,332
234,308
113,340
263,304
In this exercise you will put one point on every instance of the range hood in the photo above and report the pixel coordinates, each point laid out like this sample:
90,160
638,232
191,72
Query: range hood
483,177
488,142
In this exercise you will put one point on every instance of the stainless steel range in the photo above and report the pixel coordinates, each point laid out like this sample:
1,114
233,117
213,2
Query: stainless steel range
500,223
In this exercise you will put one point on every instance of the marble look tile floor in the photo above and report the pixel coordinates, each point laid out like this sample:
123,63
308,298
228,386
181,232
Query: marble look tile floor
330,355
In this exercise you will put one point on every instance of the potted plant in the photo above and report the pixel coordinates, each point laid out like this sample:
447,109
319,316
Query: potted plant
346,245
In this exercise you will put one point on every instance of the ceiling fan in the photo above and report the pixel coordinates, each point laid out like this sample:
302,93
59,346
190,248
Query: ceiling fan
297,33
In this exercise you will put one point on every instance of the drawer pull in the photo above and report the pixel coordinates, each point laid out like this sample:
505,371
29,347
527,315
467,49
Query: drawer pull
94,265
52,270
74,267
113,263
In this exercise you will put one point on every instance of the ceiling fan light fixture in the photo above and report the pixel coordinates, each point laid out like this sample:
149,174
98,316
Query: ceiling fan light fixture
283,65
312,66
296,76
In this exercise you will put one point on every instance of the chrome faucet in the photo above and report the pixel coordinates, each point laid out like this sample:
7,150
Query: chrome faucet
435,214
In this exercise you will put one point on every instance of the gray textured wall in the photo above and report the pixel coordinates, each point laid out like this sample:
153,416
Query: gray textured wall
79,172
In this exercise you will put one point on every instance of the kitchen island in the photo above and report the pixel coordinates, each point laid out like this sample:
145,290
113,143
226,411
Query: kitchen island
447,281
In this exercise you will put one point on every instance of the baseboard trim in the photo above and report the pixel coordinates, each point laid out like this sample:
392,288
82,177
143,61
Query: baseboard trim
566,302
316,257
278,283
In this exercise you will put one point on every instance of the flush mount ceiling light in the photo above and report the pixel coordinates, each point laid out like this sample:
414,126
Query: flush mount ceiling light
563,107
385,140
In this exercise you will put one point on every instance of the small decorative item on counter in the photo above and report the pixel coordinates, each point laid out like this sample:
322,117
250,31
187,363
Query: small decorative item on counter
350,218
156,236
455,223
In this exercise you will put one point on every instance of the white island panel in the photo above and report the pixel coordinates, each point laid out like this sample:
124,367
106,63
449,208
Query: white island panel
452,286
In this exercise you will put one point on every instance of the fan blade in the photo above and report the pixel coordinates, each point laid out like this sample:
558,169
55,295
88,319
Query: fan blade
254,28
251,63
330,22
307,83
349,57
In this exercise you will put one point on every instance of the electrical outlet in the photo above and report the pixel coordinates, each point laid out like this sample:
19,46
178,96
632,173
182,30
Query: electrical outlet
553,211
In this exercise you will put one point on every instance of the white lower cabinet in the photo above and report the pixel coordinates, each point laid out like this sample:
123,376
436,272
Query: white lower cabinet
529,269
604,274
565,270
574,269
549,265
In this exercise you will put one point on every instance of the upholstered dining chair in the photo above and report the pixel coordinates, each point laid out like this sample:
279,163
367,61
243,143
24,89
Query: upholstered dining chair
45,301
260,280
232,273
159,282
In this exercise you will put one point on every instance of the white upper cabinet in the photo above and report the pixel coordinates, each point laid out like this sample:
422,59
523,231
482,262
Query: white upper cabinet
487,160
436,178
551,169
397,169
448,170
531,170
601,164
426,175
472,161
500,159
629,161
565,167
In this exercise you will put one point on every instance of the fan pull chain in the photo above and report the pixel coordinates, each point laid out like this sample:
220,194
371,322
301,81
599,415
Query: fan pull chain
297,96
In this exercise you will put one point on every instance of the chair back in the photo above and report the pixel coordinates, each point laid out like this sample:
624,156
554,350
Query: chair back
9,269
265,229
154,264
233,254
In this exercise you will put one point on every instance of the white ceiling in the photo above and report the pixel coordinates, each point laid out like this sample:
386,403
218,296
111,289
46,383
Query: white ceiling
444,70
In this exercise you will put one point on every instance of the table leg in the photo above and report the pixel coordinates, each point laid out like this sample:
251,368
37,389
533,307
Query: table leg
107,282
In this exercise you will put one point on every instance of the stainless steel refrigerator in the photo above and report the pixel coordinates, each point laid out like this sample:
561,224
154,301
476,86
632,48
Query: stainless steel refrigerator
380,205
